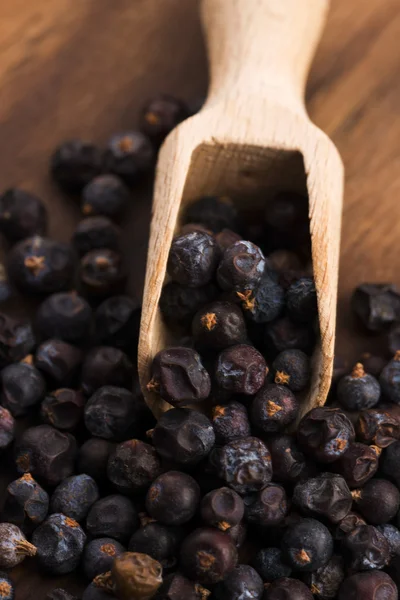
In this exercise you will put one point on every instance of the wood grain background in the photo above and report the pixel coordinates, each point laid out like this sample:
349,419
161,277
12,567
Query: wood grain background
85,68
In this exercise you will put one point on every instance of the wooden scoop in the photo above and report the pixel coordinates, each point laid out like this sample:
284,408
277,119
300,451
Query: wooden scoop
252,138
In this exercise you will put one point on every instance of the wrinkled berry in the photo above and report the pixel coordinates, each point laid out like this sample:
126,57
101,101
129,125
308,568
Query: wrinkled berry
59,361
26,503
22,215
106,366
117,321
241,267
173,498
292,368
284,334
113,515
274,408
269,563
358,464
326,433
65,316
378,501
222,508
74,163
263,304
14,547
372,585
93,458
214,212
219,325
105,195
289,463
93,233
377,306
193,259
102,272
161,542
241,369
74,496
63,409
99,555
287,588
22,386
133,466
325,581
301,300
177,587
59,541
16,339
7,428
359,390
365,548
348,524
160,115
179,303
129,155
326,495
267,508
392,535
307,545
242,582
230,422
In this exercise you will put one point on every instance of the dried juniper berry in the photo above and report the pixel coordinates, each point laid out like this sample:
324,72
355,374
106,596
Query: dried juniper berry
390,462
59,361
326,495
358,390
286,211
379,426
60,594
373,363
289,463
307,545
16,339
326,433
230,422
22,215
93,458
238,534
274,408
365,548
242,582
63,409
99,555
244,464
114,516
241,267
179,376
160,115
227,237
14,547
39,265
65,316
22,386
93,592
105,366
392,535
268,507
97,232
301,300
183,436
132,466
193,259
134,576
219,325
7,428
173,498
287,588
176,586
285,334
292,368
358,464
390,379
74,163
269,564
371,585
222,508
105,195
117,322
241,369
190,227
378,501
208,555
59,541
215,212
161,542
46,453
7,589
325,581
74,496
102,272
348,524
264,303
376,306
129,155
179,303
26,503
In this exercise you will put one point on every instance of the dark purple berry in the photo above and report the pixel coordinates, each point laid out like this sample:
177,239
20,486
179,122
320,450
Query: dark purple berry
93,233
46,453
348,524
288,462
230,422
377,306
392,535
39,265
59,361
183,436
208,555
65,316
26,503
270,565
307,545
117,321
113,515
74,496
161,542
365,548
287,211
160,115
219,325
274,408
284,334
59,541
173,498
241,369
106,366
16,340
264,303
359,390
133,466
129,155
179,303
325,433
63,409
301,300
102,272
93,458
105,195
292,368
177,587
7,428
215,212
14,547
193,259
358,464
326,495
74,163
99,555
241,267
244,464
378,501
179,376
22,215
22,386
287,588
390,462
238,534
222,508
242,582
372,585
325,581
267,508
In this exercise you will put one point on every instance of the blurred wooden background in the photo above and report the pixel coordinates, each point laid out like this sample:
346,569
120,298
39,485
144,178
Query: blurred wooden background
84,69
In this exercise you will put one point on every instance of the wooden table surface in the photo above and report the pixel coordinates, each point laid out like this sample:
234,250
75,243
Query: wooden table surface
84,69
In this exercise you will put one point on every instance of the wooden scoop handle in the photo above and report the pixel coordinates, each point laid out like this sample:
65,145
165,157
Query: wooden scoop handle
262,47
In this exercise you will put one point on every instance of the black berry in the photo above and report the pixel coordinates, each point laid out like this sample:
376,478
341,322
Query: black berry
326,433
241,369
106,366
307,545
287,588
16,339
216,213
292,368
63,409
359,390
22,387
65,316
26,503
378,501
193,259
117,321
371,585
326,495
102,272
285,334
93,458
179,303
267,508
358,464
241,267
74,496
219,325
22,215
59,361
242,582
366,548
274,408
160,115
113,516
377,306
289,463
74,163
129,155
7,428
94,233
105,195
230,422
301,300
269,563
222,508
325,581
176,587
59,541
99,555
133,466
173,498
161,542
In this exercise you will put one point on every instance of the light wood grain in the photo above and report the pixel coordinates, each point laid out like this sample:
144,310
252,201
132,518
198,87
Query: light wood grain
252,138
85,68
